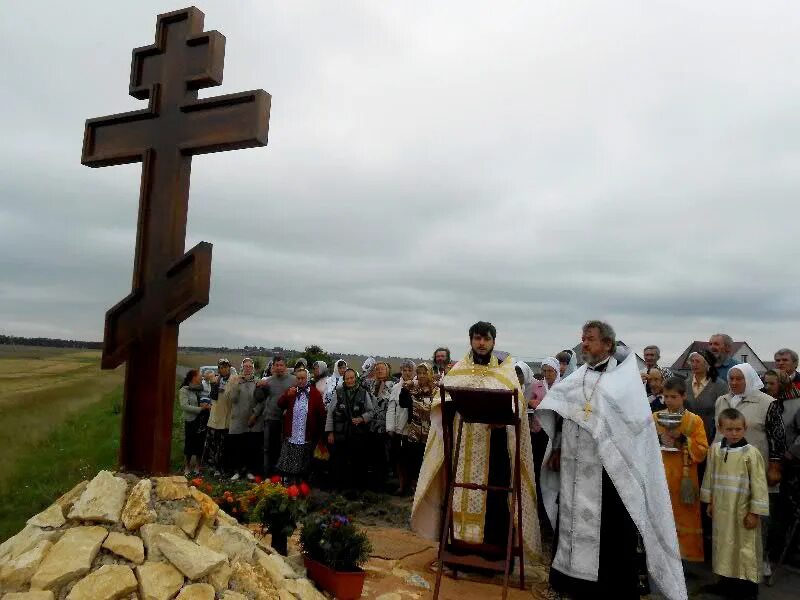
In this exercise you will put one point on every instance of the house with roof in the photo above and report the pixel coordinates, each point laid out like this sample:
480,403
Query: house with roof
742,353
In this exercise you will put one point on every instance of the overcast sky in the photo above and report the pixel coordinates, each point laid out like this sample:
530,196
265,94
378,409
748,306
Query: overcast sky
535,164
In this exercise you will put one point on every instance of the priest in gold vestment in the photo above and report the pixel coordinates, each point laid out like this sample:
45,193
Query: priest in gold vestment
486,457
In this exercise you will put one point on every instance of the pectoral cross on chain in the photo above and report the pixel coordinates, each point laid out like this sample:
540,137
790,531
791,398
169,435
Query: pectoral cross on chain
168,285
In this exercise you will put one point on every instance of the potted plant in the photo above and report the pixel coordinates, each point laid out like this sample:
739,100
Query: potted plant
278,509
333,552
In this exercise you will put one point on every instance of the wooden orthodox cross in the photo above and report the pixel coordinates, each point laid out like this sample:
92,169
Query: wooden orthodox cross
168,285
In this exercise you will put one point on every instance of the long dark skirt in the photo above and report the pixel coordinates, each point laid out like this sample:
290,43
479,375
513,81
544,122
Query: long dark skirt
349,462
295,459
214,453
194,438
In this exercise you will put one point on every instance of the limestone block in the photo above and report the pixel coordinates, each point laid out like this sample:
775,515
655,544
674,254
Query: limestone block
171,488
205,537
36,595
16,574
150,533
188,520
102,500
109,582
303,589
220,578
253,582
50,517
67,501
191,559
158,581
207,504
197,591
137,511
69,558
286,594
26,539
275,567
129,547
224,518
235,542
231,595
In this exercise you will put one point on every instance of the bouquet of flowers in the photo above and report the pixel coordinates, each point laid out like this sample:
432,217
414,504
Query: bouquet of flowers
235,498
278,508
334,541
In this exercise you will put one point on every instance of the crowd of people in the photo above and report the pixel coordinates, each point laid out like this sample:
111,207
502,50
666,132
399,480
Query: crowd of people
729,438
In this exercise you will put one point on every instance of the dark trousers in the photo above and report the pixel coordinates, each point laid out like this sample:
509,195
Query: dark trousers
539,441
255,453
349,462
495,531
272,442
378,460
236,452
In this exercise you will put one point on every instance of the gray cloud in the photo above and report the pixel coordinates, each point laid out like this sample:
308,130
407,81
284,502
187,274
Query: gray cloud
428,166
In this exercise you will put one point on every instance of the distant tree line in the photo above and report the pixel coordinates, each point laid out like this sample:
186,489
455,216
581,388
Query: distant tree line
12,340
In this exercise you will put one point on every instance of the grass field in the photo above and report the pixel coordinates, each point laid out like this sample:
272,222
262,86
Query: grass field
60,424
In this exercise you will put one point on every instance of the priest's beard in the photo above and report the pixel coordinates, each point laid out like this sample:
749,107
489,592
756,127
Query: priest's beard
593,359
482,359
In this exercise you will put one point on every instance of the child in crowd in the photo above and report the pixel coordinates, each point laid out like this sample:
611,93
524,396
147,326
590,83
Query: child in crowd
735,486
683,446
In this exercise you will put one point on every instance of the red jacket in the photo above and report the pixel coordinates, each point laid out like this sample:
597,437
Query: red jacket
315,422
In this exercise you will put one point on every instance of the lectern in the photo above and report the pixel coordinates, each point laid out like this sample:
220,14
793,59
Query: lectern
492,408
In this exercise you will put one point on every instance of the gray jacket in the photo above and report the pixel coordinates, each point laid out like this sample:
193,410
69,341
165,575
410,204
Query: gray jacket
241,393
704,405
266,398
189,400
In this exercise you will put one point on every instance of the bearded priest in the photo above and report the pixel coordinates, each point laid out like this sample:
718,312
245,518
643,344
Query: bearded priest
603,481
485,458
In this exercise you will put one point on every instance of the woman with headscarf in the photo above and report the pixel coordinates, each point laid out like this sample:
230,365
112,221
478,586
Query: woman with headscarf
417,399
380,388
334,381
567,363
551,372
703,387
303,425
765,430
320,373
347,426
782,509
396,421
193,423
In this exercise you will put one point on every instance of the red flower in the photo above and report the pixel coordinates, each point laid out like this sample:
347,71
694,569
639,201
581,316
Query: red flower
197,482
258,479
305,489
209,487
293,491
275,479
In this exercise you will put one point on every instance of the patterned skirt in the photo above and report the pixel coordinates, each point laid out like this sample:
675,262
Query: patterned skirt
214,453
295,459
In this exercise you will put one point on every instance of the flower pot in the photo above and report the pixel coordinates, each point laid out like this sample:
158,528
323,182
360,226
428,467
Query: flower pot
344,585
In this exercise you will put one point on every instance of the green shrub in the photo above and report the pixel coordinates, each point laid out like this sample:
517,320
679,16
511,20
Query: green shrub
333,540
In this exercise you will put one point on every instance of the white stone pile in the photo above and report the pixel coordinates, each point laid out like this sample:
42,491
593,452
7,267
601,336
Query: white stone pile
118,536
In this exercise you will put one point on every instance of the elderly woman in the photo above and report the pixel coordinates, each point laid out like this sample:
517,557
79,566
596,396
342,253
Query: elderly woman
567,363
189,397
417,398
320,376
303,426
334,382
347,426
380,389
702,390
765,430
780,386
396,422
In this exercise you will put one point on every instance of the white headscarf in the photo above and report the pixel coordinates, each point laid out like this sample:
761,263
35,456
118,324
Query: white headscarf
752,382
572,366
367,367
556,366
527,377
333,382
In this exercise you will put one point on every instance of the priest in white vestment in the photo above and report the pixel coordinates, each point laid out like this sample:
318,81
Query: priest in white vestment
603,480
486,458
